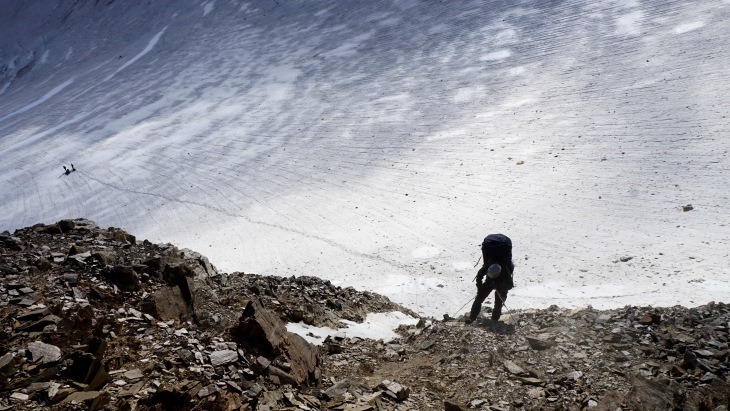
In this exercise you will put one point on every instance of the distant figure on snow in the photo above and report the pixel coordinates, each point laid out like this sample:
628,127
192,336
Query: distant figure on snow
66,171
72,167
495,275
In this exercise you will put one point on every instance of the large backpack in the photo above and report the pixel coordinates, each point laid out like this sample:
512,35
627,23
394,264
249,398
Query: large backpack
497,246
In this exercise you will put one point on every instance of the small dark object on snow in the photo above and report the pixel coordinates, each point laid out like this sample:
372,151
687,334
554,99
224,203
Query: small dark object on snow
66,171
72,167
688,207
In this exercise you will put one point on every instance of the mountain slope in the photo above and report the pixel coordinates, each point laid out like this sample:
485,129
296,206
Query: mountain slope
375,143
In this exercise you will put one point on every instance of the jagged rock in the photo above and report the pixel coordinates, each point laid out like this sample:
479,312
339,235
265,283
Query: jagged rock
649,395
66,225
168,303
261,364
338,389
123,276
33,315
395,390
121,236
263,331
201,266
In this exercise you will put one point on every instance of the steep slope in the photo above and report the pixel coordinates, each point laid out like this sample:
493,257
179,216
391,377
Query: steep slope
95,318
374,143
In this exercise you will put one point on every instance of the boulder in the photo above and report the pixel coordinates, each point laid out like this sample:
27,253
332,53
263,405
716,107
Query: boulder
122,276
264,332
43,353
168,303
649,395
223,357
394,390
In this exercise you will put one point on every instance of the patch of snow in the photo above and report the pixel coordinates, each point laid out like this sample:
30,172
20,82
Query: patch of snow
377,326
208,7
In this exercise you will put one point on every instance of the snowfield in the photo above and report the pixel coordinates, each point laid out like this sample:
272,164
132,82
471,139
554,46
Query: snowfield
376,143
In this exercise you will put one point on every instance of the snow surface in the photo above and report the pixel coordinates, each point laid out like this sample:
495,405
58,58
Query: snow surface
376,326
376,143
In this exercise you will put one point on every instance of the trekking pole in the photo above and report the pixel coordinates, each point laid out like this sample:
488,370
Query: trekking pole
501,299
457,311
480,259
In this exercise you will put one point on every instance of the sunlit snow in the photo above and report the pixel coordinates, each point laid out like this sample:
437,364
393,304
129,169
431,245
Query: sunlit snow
376,143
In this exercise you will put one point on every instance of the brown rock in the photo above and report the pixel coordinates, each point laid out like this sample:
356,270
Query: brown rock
66,225
123,276
168,303
453,406
6,362
265,332
649,395
93,400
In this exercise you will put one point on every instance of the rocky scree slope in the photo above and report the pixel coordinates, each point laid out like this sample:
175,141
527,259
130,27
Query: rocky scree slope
93,319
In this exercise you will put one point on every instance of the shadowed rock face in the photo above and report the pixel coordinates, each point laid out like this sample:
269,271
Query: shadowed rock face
359,134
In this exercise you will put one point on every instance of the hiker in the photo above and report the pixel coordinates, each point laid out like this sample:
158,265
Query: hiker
72,167
66,171
495,275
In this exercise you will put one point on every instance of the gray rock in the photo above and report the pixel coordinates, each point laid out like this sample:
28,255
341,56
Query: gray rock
134,374
539,344
223,357
395,390
6,362
339,389
515,369
44,353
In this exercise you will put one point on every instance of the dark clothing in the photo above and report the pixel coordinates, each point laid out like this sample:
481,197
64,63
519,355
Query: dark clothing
502,284
500,295
504,281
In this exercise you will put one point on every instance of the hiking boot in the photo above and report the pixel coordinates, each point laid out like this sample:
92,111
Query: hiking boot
468,321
